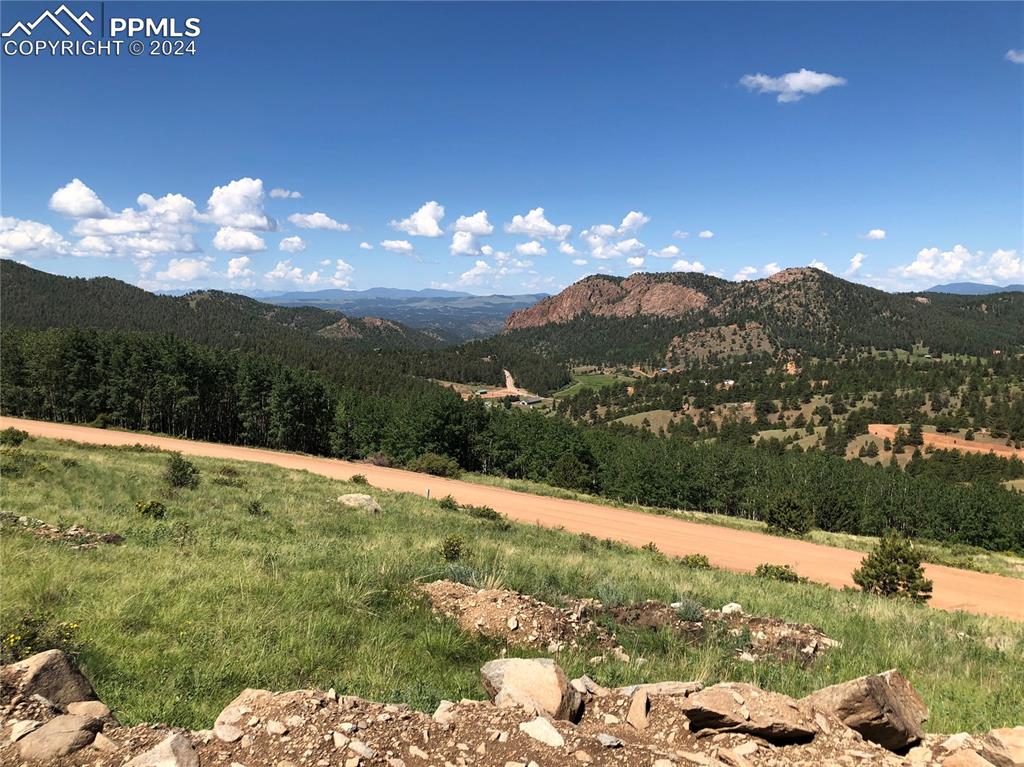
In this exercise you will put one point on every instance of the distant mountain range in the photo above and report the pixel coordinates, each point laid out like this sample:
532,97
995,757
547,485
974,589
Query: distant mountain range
974,289
448,315
671,319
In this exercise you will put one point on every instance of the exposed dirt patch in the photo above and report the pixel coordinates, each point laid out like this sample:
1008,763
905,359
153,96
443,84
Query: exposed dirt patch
516,619
523,621
76,536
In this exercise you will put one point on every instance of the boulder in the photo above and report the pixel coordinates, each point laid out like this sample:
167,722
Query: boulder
541,729
744,708
173,751
1003,747
61,736
884,708
22,728
360,501
536,684
639,707
51,675
94,708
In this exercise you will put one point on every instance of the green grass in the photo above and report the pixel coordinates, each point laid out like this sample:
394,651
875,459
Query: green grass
192,608
589,381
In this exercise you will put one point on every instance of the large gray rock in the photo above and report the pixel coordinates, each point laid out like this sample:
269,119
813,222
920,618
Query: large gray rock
884,708
536,684
744,708
59,737
360,501
51,675
173,751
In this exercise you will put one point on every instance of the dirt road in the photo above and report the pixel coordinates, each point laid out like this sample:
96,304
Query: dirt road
948,442
737,550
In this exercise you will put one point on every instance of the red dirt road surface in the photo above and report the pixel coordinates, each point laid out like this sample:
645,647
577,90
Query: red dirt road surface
737,550
948,442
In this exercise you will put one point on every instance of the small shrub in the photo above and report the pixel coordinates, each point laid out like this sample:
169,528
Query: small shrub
359,479
651,548
152,509
255,508
68,463
380,459
436,465
783,573
453,548
688,609
695,562
893,569
448,503
181,472
483,512
11,437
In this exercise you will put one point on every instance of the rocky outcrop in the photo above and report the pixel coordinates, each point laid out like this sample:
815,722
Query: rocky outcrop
884,708
745,708
640,294
534,716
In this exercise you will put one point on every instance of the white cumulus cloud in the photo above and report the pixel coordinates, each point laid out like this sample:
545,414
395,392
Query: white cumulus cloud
816,264
292,245
746,273
579,262
706,234
25,238
873,234
239,203
77,200
186,269
464,244
397,246
682,265
479,273
536,226
635,261
238,268
669,251
365,246
532,248
317,220
792,86
238,240
285,194
476,224
959,263
855,264
424,222
1015,56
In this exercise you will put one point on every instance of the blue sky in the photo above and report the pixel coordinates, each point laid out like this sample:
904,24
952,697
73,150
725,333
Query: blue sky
785,134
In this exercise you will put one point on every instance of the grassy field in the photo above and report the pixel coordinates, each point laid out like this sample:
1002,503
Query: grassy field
299,591
589,381
657,419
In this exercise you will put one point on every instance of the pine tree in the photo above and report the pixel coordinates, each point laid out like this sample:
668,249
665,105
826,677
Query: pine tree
893,569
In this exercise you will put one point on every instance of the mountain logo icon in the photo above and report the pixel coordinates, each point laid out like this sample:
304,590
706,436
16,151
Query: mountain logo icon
63,18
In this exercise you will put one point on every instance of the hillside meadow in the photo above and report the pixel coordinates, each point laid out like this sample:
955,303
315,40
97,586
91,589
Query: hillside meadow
259,578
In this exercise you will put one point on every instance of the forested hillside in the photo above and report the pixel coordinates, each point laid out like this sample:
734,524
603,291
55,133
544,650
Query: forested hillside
32,298
614,320
166,384
341,347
